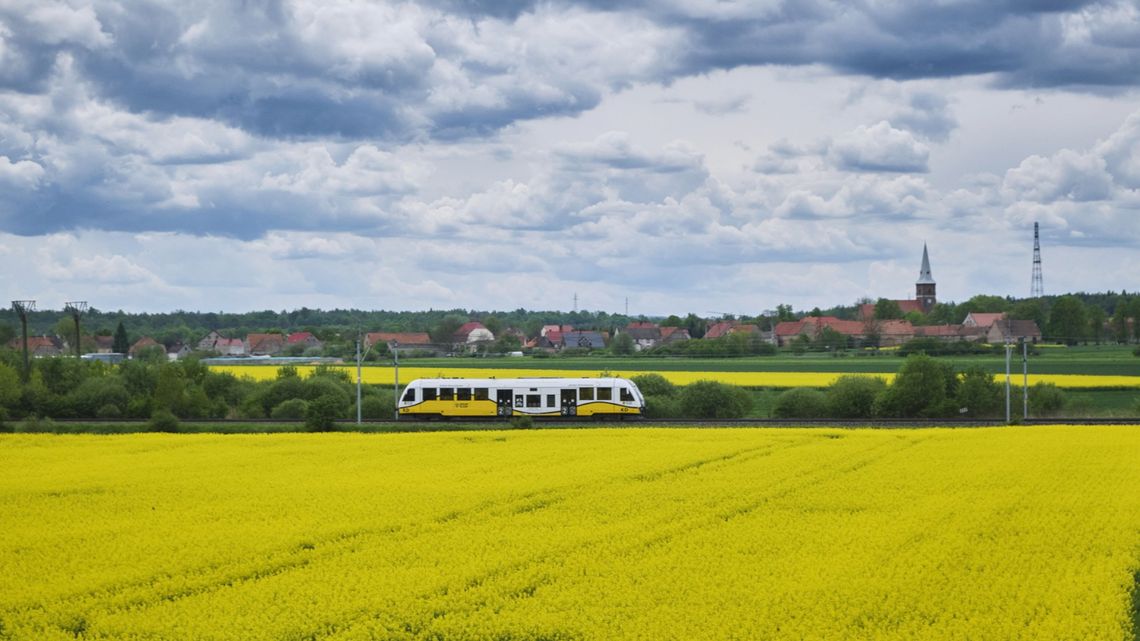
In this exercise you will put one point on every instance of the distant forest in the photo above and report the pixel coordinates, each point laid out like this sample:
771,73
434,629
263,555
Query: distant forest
342,324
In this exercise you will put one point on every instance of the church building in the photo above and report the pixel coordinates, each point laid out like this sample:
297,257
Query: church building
925,295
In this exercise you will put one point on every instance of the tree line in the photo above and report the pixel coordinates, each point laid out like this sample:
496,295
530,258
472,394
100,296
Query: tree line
1080,317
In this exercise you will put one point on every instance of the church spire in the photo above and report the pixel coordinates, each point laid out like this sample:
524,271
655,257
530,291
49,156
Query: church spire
924,276
924,287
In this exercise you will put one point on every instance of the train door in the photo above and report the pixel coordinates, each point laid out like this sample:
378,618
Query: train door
569,402
503,402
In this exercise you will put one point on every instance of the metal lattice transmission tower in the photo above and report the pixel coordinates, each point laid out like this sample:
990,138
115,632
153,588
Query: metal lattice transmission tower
23,308
76,308
1037,287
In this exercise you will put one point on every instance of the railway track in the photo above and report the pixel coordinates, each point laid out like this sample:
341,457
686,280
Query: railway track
347,425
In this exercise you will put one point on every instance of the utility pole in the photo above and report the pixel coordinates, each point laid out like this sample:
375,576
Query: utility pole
358,377
395,347
76,309
23,308
1008,349
1024,380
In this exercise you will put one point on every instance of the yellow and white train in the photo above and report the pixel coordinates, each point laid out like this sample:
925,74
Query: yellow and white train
505,397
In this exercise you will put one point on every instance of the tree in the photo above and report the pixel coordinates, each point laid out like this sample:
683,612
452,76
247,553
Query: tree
622,344
321,413
1096,323
696,325
887,310
979,394
944,313
853,396
1068,320
983,303
1032,309
446,328
654,385
673,321
709,399
800,402
1134,313
921,388
784,313
1120,329
120,344
831,340
9,386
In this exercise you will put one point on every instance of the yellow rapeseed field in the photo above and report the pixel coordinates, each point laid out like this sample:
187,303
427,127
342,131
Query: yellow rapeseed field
1000,533
386,376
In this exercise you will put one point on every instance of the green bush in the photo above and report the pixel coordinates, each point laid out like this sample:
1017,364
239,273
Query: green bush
163,420
654,385
1045,399
709,399
662,407
109,411
801,402
33,424
854,396
923,388
322,412
979,394
522,422
283,389
291,410
377,406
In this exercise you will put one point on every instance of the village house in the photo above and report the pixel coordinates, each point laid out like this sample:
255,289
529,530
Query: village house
305,339
671,335
583,339
103,344
40,346
645,335
144,343
264,344
177,351
470,336
402,340
215,342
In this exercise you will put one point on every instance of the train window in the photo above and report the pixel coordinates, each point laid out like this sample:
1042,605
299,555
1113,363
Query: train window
410,395
550,400
605,394
534,400
585,393
463,394
447,393
429,394
626,395
481,394
518,400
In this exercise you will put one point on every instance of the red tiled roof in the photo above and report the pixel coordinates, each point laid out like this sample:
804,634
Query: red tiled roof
641,325
403,338
938,330
299,337
718,329
467,328
264,342
143,343
986,319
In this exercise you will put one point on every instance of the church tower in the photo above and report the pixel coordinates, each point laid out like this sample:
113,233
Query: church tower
924,286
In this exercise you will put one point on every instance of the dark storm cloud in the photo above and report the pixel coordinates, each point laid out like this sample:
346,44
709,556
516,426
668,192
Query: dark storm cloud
251,64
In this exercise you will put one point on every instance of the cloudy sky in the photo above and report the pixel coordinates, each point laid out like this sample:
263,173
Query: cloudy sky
687,155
